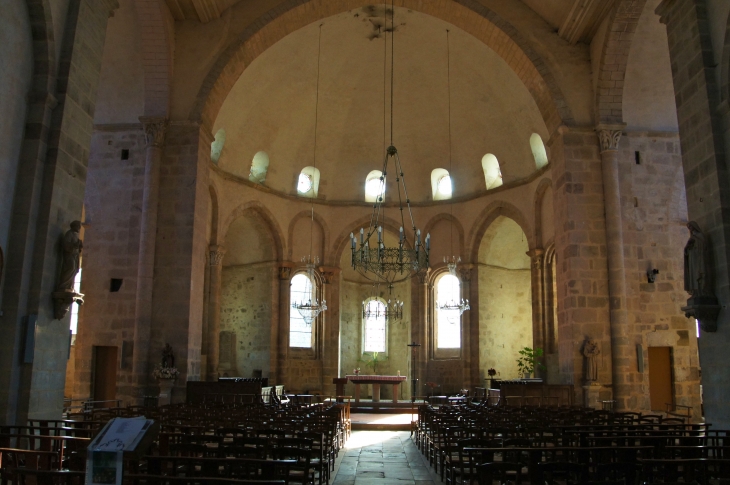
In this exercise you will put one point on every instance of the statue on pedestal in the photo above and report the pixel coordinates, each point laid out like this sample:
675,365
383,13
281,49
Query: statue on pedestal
591,352
65,294
702,303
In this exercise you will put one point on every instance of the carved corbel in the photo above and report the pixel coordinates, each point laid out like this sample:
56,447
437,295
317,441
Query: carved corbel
285,269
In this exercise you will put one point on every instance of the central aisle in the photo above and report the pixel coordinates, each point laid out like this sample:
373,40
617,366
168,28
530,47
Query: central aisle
383,458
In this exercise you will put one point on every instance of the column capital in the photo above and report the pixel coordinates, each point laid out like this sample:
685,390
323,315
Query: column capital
216,254
155,128
328,273
536,256
465,272
423,276
609,135
285,268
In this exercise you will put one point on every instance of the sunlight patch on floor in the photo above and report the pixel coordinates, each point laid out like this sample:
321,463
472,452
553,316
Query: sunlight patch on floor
361,439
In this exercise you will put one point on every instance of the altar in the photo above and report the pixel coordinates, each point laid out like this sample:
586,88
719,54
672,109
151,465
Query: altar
376,381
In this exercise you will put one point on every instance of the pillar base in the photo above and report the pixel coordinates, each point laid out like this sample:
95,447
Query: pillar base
591,395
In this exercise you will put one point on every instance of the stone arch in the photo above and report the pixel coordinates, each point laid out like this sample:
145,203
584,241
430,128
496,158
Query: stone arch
725,65
306,214
266,215
544,184
214,222
157,47
44,45
470,16
487,217
614,57
453,220
343,239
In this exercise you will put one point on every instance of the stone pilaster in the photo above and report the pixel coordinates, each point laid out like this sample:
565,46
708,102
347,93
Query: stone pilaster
154,129
537,277
330,327
215,268
624,361
467,343
704,130
282,346
419,330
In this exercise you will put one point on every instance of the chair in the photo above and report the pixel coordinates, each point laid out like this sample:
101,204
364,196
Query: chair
563,473
501,472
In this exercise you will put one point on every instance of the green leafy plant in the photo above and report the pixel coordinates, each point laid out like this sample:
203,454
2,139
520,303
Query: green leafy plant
373,362
528,360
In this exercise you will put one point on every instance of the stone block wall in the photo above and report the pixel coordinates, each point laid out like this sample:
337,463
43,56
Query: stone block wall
505,319
654,231
246,307
111,244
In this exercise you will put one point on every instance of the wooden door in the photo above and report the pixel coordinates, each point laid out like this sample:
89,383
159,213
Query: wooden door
660,377
105,375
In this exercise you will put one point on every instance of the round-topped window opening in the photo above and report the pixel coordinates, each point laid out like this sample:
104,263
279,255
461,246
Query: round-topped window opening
304,184
373,187
444,186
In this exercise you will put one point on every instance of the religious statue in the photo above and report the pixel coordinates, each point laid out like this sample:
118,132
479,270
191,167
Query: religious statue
72,246
696,268
168,358
590,352
65,294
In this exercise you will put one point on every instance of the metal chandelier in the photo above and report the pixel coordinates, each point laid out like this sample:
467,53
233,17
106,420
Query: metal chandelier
370,256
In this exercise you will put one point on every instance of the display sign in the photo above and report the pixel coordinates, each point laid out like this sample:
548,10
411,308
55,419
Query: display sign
104,463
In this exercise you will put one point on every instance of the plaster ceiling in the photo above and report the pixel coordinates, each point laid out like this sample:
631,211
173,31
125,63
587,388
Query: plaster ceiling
272,107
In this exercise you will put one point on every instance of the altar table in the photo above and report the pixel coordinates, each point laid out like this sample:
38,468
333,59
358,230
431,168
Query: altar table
376,381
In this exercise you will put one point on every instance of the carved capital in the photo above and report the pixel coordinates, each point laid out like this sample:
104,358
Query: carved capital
609,136
328,273
285,270
423,276
537,256
154,128
465,272
216,255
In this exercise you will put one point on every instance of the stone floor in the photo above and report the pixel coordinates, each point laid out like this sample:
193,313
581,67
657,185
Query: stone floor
382,458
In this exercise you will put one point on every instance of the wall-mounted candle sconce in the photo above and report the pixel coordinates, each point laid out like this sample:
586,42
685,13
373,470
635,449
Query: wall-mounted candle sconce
651,275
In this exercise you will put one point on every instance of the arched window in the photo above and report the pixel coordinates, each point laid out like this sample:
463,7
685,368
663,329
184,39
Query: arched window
538,151
301,290
74,323
374,328
374,187
492,172
448,322
441,186
217,146
259,167
308,182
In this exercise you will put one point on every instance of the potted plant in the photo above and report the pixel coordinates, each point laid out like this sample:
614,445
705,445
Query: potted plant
528,360
373,362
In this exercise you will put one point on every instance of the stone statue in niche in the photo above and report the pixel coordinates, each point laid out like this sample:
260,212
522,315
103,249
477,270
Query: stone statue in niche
168,358
696,265
65,294
702,304
591,352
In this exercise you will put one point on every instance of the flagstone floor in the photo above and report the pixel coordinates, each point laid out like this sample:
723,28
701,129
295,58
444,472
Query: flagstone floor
382,458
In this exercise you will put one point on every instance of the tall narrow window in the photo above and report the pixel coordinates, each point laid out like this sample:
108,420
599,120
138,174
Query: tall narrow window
308,182
448,322
492,172
216,148
301,290
441,186
538,151
374,186
259,167
374,334
75,307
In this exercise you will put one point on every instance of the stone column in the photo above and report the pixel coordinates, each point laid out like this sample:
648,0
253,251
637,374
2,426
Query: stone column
609,136
419,331
330,328
282,347
465,272
215,268
154,129
537,278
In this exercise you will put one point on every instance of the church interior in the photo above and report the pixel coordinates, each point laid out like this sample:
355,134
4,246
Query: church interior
302,193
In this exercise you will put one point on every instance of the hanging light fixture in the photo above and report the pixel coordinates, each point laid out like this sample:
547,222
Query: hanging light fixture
453,308
311,308
393,310
372,258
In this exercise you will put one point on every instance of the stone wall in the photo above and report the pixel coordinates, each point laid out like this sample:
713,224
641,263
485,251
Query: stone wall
16,50
246,307
396,357
111,244
505,319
